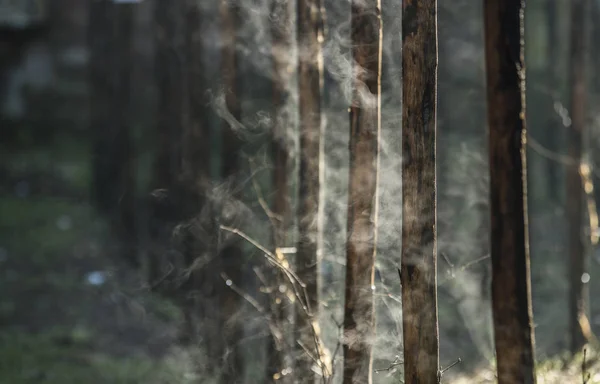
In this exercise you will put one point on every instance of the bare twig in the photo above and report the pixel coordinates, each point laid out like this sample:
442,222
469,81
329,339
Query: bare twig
444,370
397,361
302,298
585,375
244,295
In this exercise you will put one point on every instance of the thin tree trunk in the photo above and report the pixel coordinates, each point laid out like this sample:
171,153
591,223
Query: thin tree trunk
309,33
365,126
113,192
511,286
278,351
231,257
578,293
553,69
419,248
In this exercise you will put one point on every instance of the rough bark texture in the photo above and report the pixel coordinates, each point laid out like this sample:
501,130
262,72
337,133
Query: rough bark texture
231,256
309,33
113,187
578,292
419,249
278,351
365,124
511,287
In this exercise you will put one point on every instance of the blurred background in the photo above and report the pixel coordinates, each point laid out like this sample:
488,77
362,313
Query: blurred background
120,151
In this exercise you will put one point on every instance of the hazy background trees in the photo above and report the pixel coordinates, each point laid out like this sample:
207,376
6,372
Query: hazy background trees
188,113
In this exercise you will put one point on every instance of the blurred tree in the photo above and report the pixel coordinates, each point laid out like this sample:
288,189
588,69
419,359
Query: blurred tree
231,255
282,35
511,290
578,292
309,35
554,76
419,248
113,184
365,126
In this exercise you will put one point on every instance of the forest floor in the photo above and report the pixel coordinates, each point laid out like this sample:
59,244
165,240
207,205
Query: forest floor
70,314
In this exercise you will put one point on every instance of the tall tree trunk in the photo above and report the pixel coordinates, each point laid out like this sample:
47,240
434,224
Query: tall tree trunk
309,35
113,188
171,104
553,72
419,248
166,207
365,126
281,17
511,286
231,256
578,293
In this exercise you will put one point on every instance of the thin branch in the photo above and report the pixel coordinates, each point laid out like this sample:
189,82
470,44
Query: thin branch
397,361
244,295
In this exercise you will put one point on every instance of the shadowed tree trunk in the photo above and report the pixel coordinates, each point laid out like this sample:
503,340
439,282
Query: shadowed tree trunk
309,33
113,185
231,256
365,125
282,34
578,293
511,287
419,249
166,205
554,73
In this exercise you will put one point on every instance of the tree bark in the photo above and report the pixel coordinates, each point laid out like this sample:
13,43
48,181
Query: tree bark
277,350
511,286
113,185
419,248
578,292
365,127
309,35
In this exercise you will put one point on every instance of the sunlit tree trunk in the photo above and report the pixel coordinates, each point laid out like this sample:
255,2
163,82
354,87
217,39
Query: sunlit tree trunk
309,33
113,185
365,126
282,34
419,248
579,291
231,256
511,287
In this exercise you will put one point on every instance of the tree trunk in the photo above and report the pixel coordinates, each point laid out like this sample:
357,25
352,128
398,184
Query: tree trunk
365,126
231,256
553,72
578,293
511,287
309,33
113,185
278,351
419,248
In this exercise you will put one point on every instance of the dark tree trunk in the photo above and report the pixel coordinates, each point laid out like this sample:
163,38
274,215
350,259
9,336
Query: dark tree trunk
365,125
419,249
231,256
511,287
278,351
310,31
113,185
578,293
595,150
553,68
